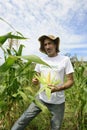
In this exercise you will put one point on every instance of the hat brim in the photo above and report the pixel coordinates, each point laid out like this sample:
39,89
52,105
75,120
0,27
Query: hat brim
42,38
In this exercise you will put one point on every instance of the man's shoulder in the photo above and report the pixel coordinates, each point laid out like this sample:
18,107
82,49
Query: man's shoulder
63,56
58,57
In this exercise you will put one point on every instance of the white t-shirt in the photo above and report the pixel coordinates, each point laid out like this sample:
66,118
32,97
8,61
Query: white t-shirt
60,66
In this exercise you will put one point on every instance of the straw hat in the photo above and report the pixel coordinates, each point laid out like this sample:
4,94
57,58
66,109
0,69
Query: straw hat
55,39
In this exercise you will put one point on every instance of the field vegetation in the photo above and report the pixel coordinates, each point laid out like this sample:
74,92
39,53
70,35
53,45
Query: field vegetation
17,90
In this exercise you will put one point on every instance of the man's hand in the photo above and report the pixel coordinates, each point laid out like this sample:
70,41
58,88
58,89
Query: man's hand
35,81
53,88
65,86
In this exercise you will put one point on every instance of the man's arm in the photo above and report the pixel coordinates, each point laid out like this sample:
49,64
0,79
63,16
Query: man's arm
69,82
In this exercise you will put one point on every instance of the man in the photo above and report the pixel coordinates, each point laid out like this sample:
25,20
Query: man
60,67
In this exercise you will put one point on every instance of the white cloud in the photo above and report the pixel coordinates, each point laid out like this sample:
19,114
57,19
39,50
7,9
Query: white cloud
35,18
74,46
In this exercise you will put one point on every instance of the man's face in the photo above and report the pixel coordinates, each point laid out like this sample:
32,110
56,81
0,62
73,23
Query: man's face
50,47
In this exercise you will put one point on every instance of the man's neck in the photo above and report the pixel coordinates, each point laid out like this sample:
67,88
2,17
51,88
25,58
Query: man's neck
53,55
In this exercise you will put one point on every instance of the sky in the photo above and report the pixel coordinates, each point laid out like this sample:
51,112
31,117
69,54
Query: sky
66,19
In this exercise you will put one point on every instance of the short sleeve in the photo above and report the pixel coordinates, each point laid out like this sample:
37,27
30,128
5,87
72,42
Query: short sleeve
68,66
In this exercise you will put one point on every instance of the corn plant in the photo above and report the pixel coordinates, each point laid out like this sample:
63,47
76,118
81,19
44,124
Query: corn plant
46,81
77,96
16,89
16,73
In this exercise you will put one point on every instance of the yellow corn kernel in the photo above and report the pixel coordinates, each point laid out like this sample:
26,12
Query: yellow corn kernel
48,78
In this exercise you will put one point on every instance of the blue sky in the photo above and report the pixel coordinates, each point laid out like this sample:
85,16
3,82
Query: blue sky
33,18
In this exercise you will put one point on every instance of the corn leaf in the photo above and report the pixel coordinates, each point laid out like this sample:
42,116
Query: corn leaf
19,53
56,82
41,106
9,35
40,90
34,58
28,88
48,92
3,104
8,63
41,79
23,95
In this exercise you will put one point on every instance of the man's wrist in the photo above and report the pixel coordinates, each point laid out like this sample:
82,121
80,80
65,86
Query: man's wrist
57,88
61,88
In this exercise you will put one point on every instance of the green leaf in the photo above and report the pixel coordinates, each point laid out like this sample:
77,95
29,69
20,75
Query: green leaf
20,50
48,92
19,33
40,90
28,88
31,97
7,23
4,38
56,82
34,58
9,35
41,79
3,104
15,95
23,95
16,37
9,51
2,87
40,105
8,63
